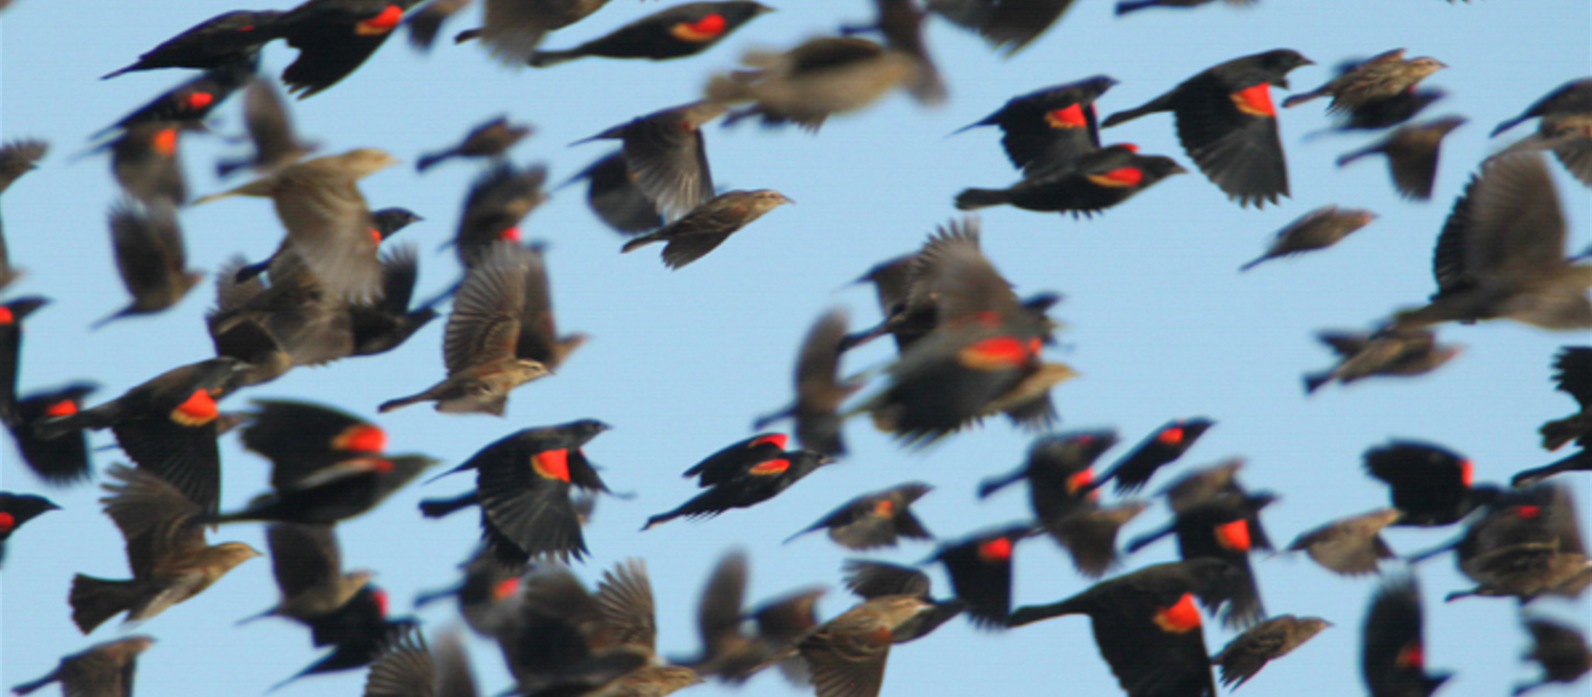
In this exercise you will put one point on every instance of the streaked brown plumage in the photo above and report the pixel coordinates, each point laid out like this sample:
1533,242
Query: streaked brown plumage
729,653
1350,546
150,257
103,670
1318,229
666,156
847,654
1390,351
166,550
1412,155
307,563
407,667
270,126
1379,77
708,225
489,139
808,83
1247,653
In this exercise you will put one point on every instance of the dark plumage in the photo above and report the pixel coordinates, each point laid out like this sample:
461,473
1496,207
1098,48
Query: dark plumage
489,139
875,519
1390,351
1411,154
1318,229
1052,127
673,32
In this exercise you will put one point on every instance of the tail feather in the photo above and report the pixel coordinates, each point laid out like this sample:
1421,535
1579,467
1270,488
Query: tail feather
542,59
1254,263
1126,7
428,161
437,508
971,199
54,675
1161,103
1511,123
1315,381
95,600
1298,99
639,242
1029,614
993,484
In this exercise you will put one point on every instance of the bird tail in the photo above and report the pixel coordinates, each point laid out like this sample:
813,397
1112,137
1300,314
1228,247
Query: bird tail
392,404
971,199
1352,156
1511,123
1033,613
639,242
542,59
993,484
731,87
257,616
1254,263
1126,7
427,161
437,508
95,600
54,675
1301,98
1161,103
1314,381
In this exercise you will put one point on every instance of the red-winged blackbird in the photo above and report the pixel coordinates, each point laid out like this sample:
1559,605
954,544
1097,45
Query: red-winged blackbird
819,77
103,669
17,157
490,139
1224,527
144,161
1561,650
666,156
875,519
1350,546
307,563
749,484
166,551
874,579
500,334
1430,485
167,425
1059,469
191,101
11,316
1528,544
819,390
1092,183
735,458
389,322
425,23
272,329
1580,461
1393,659
1390,350
334,37
329,226
1005,25
407,667
270,128
485,594
1318,229
59,461
513,28
847,654
1147,625
225,39
498,200
17,509
523,484
334,493
1090,536
1203,484
1226,122
1161,448
1052,127
980,568
150,257
1130,6
1384,76
613,195
708,225
1501,253
1412,155
356,632
729,653
1247,653
1572,375
673,32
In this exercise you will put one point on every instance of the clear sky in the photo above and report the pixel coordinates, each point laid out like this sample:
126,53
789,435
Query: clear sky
1157,320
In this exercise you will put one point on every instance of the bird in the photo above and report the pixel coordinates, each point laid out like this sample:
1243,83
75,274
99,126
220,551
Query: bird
1007,27
1318,229
16,510
673,32
106,668
63,460
1572,375
150,257
270,128
11,315
818,78
1163,447
408,667
709,224
488,139
1393,657
1561,650
847,654
1051,127
819,388
1429,485
1349,546
752,483
729,653
1092,183
512,29
1274,638
876,519
498,201
1412,155
666,156
334,38
307,563
1227,124
1360,84
225,39
980,567
615,198
1390,350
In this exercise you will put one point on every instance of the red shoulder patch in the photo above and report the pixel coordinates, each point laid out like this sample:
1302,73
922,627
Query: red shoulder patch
382,23
1070,116
705,29
197,410
998,549
552,464
1180,616
7,521
363,438
1234,535
770,467
1171,436
1255,100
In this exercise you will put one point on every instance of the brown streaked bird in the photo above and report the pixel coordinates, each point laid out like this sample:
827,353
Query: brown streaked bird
150,257
274,328
875,519
167,425
1318,229
1379,77
729,653
873,579
103,670
1005,25
708,225
489,139
500,334
1147,625
225,39
1501,253
900,22
1561,650
307,563
407,667
667,157
1247,653
612,194
426,22
819,390
166,551
847,654
11,325
1412,155
819,77
334,37
1227,124
270,127
1349,546
673,32
144,161
498,200
1528,544
17,157
512,29
1390,351
1052,127
1393,655
1572,375
17,509
61,461
328,223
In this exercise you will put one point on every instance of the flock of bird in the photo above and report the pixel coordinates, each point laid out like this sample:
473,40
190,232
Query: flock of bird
969,350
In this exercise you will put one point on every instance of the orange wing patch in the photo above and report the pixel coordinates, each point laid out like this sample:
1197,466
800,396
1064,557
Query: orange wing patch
1070,116
1234,535
884,508
1467,472
6,317
1079,480
552,464
363,438
61,408
1255,100
505,588
998,549
165,142
1171,436
7,521
198,100
770,467
778,439
382,23
708,28
1411,656
1179,617
197,410
995,353
1120,177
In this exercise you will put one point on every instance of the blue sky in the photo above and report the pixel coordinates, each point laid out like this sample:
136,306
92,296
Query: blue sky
1156,319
